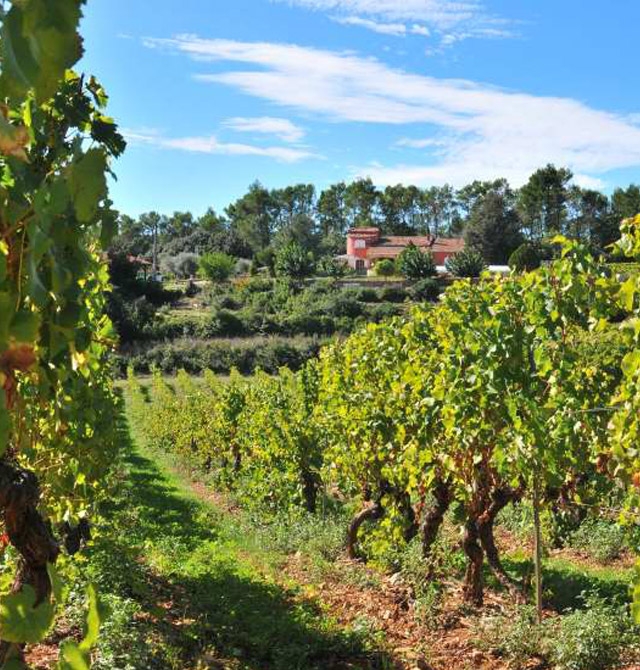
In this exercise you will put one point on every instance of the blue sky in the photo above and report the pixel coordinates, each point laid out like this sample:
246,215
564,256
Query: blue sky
213,94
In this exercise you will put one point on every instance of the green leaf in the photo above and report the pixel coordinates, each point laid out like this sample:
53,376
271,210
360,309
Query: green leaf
71,657
627,294
38,42
25,326
20,620
93,621
88,184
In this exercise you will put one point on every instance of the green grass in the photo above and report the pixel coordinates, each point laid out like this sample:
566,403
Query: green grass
187,590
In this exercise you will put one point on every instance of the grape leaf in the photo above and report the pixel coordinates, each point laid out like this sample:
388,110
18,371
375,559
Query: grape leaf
38,42
88,184
20,620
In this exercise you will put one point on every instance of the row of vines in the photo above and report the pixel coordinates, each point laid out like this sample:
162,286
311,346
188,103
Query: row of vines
508,389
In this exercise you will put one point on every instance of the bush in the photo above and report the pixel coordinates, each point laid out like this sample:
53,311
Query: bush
603,540
466,263
183,266
426,290
414,263
385,268
243,266
293,261
589,639
366,295
217,266
328,266
525,258
384,311
219,356
392,294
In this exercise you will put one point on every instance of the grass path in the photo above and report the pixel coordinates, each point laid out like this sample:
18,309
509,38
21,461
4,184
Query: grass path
203,598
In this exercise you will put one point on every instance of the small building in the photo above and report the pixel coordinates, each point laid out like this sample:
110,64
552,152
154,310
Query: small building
367,246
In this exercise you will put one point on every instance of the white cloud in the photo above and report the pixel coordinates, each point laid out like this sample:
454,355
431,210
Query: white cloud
488,132
456,19
397,29
267,125
211,145
411,143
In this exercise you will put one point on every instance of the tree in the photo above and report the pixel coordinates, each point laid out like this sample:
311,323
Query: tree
401,210
440,206
414,263
292,260
300,228
493,228
217,266
252,217
591,221
468,196
385,267
332,210
543,201
361,202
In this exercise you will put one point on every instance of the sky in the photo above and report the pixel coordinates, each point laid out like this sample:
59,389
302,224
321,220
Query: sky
215,94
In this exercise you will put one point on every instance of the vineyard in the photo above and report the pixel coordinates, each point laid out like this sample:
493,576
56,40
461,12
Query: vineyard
455,486
510,392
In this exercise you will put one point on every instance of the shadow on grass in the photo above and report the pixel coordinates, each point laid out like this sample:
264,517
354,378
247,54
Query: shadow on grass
201,603
564,586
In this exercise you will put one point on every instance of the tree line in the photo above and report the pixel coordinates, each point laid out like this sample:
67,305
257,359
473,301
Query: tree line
492,216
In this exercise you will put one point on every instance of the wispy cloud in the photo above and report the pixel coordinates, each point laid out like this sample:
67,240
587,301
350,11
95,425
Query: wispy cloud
452,20
488,132
211,145
284,129
396,29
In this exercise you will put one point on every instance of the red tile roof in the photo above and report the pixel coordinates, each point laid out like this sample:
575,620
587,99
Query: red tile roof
391,247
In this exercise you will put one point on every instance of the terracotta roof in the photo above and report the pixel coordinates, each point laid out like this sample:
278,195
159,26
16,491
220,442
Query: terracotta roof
396,241
391,247
366,231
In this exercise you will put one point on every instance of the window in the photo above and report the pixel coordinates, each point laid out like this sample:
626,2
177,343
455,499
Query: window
360,244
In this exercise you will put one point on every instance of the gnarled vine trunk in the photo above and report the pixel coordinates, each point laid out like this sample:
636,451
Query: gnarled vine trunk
369,513
500,498
473,584
433,518
28,533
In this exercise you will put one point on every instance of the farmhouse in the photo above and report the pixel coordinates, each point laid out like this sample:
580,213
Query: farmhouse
367,246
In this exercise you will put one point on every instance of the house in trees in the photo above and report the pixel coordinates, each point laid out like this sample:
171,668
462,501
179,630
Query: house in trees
367,246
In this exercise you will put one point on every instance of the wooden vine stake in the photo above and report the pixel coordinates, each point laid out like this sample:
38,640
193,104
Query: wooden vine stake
537,545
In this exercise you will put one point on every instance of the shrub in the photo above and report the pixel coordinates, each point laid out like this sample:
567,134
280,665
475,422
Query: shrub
525,258
589,639
366,295
217,266
243,266
186,265
227,323
293,261
603,540
342,305
328,266
384,311
392,294
385,268
219,356
466,263
517,637
426,290
414,263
